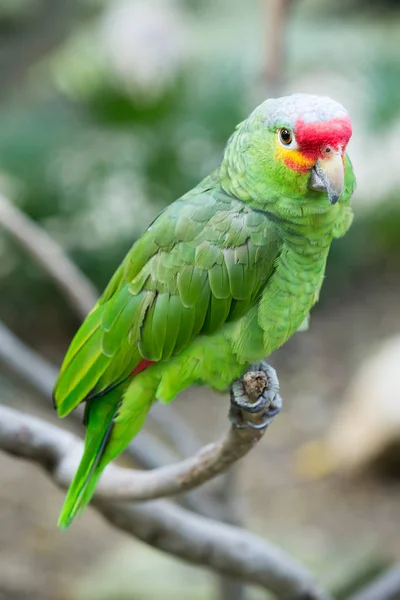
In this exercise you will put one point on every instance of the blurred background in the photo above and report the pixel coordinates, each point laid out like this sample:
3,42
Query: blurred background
109,110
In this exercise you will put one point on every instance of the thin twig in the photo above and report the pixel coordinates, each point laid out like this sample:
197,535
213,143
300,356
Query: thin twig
75,286
386,587
221,547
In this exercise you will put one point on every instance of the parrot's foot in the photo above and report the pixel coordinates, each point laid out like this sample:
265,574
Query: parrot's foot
256,393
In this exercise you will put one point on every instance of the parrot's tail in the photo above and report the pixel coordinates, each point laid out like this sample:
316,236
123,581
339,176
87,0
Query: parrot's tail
112,420
99,418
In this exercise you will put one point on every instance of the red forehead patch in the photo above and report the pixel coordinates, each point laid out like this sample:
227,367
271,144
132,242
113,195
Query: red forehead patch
312,136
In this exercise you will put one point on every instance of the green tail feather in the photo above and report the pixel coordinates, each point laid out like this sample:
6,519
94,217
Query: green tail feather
100,415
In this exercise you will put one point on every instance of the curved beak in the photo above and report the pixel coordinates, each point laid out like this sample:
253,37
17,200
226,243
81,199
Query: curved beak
328,176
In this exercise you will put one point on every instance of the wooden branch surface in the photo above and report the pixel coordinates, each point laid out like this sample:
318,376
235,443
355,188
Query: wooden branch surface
201,541
210,461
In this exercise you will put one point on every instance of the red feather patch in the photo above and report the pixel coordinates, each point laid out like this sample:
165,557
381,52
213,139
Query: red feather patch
312,137
144,364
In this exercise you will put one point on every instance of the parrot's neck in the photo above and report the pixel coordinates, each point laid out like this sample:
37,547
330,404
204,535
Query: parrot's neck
309,220
313,232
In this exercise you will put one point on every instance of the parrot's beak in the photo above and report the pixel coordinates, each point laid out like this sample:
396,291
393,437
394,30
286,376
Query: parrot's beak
328,176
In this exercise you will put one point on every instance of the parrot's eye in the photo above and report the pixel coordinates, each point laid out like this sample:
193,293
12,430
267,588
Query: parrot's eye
286,138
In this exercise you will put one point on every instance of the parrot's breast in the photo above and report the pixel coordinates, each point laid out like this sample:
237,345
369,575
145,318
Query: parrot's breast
290,294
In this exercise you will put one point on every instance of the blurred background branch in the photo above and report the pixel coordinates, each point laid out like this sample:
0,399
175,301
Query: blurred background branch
277,15
75,286
386,587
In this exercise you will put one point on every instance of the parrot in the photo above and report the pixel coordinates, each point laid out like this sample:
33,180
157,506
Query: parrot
221,278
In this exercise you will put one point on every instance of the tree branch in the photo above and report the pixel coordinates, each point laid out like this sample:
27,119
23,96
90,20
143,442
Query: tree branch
193,538
41,376
214,459
386,587
144,450
168,480
210,461
79,291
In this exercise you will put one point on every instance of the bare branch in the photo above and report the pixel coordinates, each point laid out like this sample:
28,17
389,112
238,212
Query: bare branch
169,480
26,363
146,451
221,547
386,587
80,292
210,461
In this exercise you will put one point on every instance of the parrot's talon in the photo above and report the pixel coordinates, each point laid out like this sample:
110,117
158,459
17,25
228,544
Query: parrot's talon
268,404
267,418
251,407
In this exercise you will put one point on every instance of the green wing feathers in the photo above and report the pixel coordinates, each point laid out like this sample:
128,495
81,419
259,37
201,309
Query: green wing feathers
201,263
182,278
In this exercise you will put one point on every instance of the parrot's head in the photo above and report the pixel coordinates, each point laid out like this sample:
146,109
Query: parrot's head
292,147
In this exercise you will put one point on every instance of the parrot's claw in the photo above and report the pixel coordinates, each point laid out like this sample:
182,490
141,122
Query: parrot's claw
262,380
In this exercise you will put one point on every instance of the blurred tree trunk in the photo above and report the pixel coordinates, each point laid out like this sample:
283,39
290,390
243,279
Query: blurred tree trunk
277,14
228,499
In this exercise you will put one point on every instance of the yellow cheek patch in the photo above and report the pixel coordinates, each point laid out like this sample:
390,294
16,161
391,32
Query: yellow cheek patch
294,159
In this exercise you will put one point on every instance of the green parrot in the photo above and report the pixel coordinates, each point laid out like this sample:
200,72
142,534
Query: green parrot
220,279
